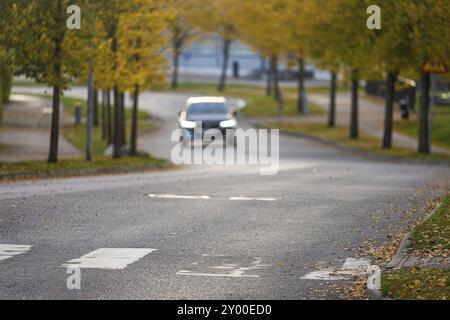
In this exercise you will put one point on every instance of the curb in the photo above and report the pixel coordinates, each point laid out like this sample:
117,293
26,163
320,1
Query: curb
358,152
375,295
397,261
402,253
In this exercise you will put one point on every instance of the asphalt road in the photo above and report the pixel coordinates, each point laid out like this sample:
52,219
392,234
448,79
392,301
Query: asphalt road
324,205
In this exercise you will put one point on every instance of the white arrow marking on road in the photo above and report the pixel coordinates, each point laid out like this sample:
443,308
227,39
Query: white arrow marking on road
174,196
233,271
109,258
351,267
10,250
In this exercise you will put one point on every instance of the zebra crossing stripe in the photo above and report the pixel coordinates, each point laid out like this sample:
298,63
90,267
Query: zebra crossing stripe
109,258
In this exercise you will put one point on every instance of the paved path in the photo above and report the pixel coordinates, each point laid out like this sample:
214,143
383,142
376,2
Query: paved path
25,132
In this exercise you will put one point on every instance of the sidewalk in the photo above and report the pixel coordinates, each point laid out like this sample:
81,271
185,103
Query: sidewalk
25,132
371,118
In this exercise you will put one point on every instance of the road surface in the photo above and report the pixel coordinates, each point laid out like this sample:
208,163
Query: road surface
221,232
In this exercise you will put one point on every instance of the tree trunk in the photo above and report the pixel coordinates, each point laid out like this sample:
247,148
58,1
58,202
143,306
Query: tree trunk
57,73
176,64
226,58
354,126
134,124
424,114
276,79
269,84
95,121
123,119
389,112
117,141
277,91
54,133
301,87
332,111
103,114
109,133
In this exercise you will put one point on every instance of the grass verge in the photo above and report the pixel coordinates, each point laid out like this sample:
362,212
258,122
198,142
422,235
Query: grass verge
340,136
440,126
432,237
75,167
416,284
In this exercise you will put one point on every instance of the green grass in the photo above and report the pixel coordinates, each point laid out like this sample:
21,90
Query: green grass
340,136
440,129
68,166
433,236
416,284
259,105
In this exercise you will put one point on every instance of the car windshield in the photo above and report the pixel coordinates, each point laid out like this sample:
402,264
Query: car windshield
207,108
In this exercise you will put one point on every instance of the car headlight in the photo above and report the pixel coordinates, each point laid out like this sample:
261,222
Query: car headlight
232,123
185,124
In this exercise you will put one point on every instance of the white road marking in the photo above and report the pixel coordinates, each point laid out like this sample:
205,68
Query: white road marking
252,199
351,267
109,258
10,250
174,196
205,197
232,271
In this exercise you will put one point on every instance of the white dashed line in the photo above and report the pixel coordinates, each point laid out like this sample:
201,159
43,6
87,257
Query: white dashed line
252,199
109,258
351,267
173,196
10,250
205,197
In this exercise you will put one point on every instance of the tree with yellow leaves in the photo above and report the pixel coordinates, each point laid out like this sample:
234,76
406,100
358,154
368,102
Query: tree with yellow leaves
143,64
340,29
181,24
44,50
262,25
219,17
297,23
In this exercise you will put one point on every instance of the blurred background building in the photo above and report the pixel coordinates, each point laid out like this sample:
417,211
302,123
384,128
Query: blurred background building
205,57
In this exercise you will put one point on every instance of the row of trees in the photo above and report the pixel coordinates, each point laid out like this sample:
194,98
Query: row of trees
334,35
122,47
119,47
